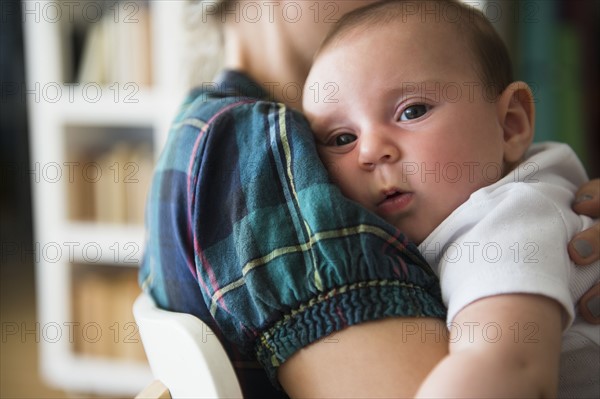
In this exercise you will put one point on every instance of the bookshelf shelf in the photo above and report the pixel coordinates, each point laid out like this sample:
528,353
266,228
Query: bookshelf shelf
105,243
98,375
127,104
101,94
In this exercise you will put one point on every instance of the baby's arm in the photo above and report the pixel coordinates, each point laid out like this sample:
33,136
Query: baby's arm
501,346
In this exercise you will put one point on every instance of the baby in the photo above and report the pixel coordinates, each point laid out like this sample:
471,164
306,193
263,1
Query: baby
423,125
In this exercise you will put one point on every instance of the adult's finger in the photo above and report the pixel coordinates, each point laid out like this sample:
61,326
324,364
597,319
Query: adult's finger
589,305
587,199
584,247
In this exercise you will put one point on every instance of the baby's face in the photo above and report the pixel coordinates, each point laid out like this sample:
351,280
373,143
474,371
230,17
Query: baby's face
403,123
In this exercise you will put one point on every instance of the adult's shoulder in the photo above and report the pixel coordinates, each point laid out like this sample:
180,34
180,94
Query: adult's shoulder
235,94
213,107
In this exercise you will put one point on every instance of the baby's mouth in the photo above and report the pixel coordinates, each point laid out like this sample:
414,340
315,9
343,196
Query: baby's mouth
389,195
393,200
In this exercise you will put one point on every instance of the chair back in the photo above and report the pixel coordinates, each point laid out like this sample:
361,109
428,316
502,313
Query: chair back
184,354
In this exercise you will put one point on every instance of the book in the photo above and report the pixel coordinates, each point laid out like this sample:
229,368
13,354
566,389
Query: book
137,183
118,48
109,190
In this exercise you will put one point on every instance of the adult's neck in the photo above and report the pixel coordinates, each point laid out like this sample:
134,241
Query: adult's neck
264,53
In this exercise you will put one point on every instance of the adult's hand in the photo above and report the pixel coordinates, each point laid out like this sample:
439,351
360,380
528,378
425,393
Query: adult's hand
584,248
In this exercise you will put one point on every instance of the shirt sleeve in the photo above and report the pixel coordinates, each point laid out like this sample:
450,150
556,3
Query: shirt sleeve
513,240
280,258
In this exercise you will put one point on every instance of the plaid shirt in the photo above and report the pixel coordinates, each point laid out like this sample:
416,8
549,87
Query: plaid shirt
246,231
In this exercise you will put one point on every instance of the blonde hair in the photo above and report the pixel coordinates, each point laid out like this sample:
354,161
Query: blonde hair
203,58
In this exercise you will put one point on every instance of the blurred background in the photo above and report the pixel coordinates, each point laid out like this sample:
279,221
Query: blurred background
87,92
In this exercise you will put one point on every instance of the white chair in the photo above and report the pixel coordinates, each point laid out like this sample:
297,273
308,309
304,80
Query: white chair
184,355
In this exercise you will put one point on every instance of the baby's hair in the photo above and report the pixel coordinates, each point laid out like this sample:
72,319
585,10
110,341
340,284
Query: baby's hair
494,65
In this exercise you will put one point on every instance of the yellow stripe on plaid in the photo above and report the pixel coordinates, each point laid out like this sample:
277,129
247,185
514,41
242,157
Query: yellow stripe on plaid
190,122
288,160
325,235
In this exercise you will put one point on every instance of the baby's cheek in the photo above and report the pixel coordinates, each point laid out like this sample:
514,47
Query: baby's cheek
334,170
327,159
341,177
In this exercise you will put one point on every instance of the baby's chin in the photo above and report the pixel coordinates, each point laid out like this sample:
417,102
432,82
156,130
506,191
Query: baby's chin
413,235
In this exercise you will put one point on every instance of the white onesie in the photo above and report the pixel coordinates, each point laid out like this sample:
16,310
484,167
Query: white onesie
511,237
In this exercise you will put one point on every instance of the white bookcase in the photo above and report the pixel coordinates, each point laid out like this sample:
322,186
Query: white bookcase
86,258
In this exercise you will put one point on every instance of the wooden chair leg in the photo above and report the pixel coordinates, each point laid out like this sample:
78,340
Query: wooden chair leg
156,390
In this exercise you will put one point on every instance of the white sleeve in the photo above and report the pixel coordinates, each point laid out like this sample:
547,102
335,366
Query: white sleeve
513,240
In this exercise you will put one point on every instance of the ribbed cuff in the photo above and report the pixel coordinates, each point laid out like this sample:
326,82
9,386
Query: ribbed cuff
340,308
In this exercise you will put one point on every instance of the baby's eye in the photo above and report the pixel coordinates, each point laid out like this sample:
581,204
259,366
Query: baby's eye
414,112
342,139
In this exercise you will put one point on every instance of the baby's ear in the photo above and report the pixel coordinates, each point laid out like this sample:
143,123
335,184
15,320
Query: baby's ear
516,114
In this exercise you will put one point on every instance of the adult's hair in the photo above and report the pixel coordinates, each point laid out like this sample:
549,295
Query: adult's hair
489,51
203,35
